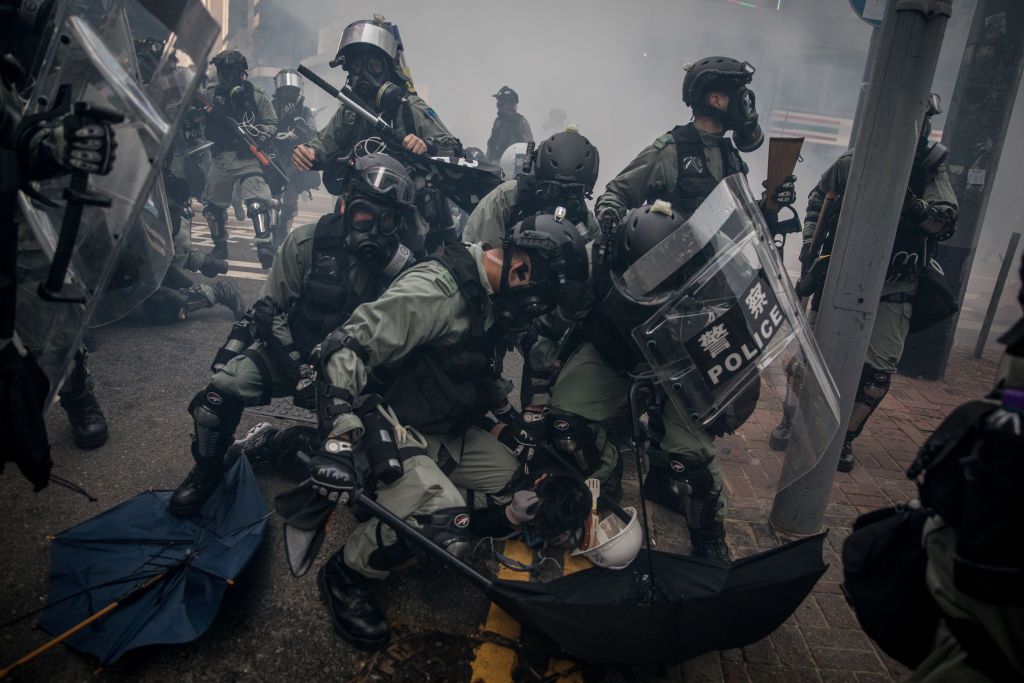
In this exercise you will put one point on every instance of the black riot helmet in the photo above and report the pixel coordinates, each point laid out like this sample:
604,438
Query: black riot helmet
380,204
729,76
231,67
507,93
559,271
565,168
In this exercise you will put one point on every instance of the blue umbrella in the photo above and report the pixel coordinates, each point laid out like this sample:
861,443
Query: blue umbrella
137,575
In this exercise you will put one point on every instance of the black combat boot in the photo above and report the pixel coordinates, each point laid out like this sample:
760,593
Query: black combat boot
220,249
191,495
779,438
88,425
709,542
355,613
846,458
220,292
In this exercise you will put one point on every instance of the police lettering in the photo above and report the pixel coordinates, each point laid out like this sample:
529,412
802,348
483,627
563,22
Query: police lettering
745,354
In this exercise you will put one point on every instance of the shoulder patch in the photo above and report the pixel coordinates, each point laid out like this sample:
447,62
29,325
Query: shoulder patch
446,283
430,113
663,140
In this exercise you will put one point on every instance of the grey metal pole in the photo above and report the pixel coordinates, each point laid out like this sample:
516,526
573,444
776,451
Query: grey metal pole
894,107
997,294
869,61
978,120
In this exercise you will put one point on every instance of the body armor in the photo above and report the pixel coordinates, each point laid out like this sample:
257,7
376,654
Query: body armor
694,180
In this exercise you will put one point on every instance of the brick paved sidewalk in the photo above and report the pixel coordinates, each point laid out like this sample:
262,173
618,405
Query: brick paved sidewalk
822,641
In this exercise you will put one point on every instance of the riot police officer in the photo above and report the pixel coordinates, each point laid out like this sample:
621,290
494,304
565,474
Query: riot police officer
321,273
233,163
295,126
435,328
681,168
929,216
509,126
373,58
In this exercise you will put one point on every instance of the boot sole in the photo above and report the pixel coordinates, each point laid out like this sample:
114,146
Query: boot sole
356,642
841,467
94,442
777,444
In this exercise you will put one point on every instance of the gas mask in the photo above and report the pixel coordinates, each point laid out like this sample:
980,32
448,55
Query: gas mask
230,77
515,308
741,118
551,195
373,231
369,77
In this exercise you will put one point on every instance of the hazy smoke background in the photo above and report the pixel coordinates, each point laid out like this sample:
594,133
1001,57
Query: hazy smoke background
617,68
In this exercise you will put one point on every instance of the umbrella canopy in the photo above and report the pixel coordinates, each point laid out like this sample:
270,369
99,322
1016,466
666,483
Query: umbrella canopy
185,565
692,606
601,616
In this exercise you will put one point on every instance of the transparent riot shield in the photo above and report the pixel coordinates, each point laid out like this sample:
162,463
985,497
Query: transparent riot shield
713,312
90,58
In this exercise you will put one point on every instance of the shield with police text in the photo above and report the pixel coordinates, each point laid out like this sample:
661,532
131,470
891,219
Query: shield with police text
89,64
712,310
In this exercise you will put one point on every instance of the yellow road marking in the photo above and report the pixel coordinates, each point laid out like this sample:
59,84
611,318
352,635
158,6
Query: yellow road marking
493,663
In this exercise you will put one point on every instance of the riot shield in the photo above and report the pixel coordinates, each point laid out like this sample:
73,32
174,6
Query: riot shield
713,312
90,58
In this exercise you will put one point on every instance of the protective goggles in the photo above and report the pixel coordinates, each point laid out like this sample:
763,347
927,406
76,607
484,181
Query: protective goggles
366,217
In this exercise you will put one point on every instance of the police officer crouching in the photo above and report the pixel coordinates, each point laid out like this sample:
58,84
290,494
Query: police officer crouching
427,345
320,275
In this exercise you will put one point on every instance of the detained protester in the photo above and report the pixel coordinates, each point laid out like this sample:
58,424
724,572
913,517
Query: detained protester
427,347
681,168
237,103
928,217
561,172
320,275
509,126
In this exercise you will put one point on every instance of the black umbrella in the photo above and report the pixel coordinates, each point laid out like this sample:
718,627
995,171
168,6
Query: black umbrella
692,606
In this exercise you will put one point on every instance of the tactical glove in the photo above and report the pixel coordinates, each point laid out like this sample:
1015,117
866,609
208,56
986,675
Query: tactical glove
784,194
522,444
333,472
88,142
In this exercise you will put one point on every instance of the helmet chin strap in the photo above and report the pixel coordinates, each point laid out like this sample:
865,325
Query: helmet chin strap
401,257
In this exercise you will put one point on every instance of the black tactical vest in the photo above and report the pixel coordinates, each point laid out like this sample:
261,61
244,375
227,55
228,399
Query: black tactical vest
240,109
910,248
446,389
326,301
694,180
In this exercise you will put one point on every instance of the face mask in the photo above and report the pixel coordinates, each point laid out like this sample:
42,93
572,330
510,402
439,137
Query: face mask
741,118
229,76
515,308
369,78
373,235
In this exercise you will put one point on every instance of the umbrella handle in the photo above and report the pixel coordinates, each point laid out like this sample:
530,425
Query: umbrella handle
46,647
42,649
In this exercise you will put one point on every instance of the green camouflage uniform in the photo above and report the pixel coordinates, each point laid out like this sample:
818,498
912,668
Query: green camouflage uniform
423,306
892,322
229,167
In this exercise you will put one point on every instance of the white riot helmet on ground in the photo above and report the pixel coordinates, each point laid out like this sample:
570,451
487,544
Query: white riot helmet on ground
617,543
513,159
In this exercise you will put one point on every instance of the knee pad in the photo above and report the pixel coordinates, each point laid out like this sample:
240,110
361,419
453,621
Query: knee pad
572,436
217,217
258,211
215,416
874,385
701,497
239,339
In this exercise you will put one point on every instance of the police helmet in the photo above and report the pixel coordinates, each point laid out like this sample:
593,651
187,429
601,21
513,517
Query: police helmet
289,78
367,34
507,93
230,58
714,73
381,179
560,269
567,158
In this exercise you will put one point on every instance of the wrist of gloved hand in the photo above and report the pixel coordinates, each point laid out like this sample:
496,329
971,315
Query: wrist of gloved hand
88,144
332,471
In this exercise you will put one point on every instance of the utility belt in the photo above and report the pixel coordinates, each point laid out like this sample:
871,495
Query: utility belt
898,298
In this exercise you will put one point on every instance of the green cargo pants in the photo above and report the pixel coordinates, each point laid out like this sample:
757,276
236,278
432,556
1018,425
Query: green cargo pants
229,168
589,387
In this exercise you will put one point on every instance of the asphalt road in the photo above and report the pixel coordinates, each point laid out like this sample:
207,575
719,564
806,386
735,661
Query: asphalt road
271,626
